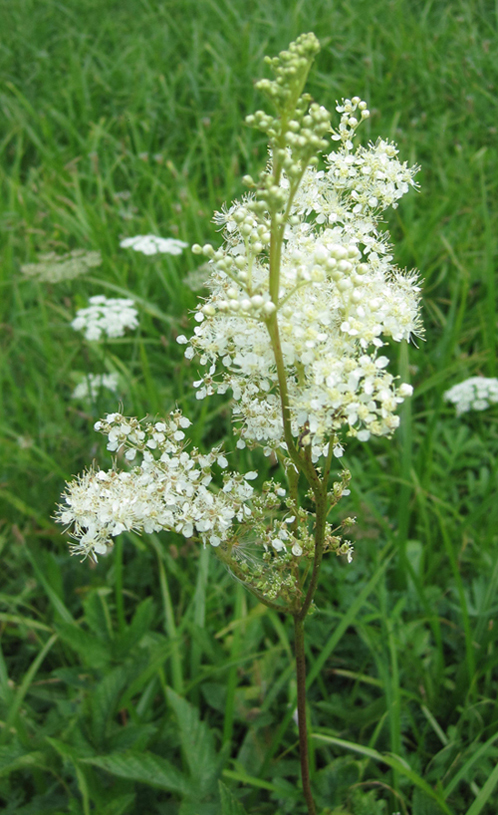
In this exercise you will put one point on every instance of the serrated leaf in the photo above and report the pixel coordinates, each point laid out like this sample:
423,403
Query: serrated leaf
131,737
103,702
91,651
70,752
423,805
96,614
198,745
118,805
147,768
139,626
192,806
229,803
16,759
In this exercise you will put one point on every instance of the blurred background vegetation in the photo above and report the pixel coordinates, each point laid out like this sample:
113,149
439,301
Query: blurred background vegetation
138,684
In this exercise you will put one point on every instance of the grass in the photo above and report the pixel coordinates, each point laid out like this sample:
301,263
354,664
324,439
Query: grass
149,98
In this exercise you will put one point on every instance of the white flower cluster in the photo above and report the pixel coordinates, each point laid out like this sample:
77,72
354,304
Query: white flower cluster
106,316
475,393
152,245
167,489
340,298
92,384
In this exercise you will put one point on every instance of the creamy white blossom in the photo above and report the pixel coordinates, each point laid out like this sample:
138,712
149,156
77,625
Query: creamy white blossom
340,300
475,393
91,385
109,316
167,488
152,245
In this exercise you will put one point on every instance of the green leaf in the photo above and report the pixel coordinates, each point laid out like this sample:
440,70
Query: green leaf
139,626
485,793
146,768
103,702
91,651
198,745
132,737
393,761
97,614
54,598
12,758
423,805
119,805
476,757
229,804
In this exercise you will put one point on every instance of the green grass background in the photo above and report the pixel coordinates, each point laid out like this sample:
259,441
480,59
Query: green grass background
149,98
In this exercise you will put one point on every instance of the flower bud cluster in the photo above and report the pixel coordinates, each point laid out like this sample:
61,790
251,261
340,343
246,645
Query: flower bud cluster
291,69
296,133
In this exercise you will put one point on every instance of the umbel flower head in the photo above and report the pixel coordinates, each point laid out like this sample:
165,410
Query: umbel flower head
109,316
152,245
475,393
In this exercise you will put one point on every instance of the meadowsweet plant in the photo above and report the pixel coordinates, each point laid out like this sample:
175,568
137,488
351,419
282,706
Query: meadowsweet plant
303,297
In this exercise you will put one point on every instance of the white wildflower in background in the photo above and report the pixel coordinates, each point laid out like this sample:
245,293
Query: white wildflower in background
152,245
106,316
475,393
53,268
92,384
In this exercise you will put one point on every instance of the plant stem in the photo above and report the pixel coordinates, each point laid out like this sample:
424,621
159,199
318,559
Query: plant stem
301,711
321,508
118,585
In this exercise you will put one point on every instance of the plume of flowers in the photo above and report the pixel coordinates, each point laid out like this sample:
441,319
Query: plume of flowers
339,298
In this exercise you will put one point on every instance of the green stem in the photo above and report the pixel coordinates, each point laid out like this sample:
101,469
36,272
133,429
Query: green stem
301,463
170,626
233,672
321,510
118,584
301,711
